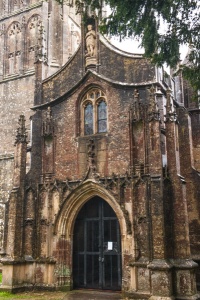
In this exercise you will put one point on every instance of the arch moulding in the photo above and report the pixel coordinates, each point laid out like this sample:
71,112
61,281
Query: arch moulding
64,224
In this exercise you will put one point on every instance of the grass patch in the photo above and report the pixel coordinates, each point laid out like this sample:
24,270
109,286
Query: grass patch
5,295
0,277
8,295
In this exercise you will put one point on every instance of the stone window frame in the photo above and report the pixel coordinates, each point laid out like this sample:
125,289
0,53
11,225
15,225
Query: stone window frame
95,101
32,38
13,54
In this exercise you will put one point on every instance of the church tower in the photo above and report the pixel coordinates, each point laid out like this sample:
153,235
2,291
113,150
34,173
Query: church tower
104,204
110,198
37,38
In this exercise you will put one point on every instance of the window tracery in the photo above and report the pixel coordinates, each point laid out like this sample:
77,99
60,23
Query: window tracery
102,116
13,48
34,29
94,112
88,119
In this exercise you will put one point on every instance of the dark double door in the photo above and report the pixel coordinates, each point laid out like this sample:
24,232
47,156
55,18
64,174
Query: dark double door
97,247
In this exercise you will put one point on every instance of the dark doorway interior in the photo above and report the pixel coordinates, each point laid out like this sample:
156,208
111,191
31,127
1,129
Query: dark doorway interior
97,247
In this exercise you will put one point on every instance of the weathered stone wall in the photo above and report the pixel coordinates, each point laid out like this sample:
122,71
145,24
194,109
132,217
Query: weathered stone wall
126,68
122,165
67,123
122,68
195,125
17,98
28,31
6,179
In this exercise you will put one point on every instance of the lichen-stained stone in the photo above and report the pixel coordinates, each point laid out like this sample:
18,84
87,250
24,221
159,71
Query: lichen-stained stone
104,204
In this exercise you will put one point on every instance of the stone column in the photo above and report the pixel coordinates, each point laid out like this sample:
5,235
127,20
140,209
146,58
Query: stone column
160,269
7,7
43,224
48,145
185,285
23,41
66,35
38,81
192,183
139,171
20,154
54,44
15,205
29,224
137,151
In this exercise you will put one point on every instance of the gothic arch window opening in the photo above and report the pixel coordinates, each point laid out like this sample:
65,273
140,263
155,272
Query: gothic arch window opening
13,48
34,29
88,118
102,116
94,112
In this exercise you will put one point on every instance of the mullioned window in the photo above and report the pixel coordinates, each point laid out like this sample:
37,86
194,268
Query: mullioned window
94,112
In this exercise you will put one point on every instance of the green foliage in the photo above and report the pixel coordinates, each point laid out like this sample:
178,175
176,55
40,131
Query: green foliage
8,295
145,20
5,295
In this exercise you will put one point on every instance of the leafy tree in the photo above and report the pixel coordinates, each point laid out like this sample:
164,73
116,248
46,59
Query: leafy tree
145,20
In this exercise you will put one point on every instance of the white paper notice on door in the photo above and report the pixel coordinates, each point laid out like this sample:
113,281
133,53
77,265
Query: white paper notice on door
110,245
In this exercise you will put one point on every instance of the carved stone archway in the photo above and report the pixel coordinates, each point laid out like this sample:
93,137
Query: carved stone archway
64,226
69,210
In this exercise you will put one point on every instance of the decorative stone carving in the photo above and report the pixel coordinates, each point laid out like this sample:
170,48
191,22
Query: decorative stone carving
23,24
91,161
90,41
21,136
171,115
153,112
15,29
29,222
2,29
44,222
48,123
127,219
136,107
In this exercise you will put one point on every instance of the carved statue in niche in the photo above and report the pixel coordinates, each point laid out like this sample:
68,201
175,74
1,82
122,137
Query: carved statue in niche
48,123
90,41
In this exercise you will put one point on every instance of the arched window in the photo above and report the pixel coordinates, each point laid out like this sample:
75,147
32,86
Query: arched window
94,112
13,59
88,119
34,30
102,116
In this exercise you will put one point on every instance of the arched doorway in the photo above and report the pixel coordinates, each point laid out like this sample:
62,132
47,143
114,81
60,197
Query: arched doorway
97,247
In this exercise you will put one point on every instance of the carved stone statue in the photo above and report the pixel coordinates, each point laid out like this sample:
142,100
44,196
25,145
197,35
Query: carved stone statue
90,41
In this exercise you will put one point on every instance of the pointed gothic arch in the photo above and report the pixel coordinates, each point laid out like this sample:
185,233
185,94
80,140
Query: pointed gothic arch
13,49
64,227
97,247
33,34
92,94
64,222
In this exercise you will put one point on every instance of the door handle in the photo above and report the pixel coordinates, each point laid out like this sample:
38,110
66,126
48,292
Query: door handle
101,259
